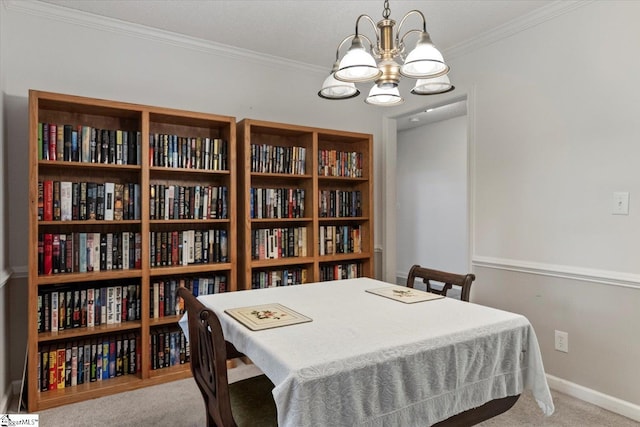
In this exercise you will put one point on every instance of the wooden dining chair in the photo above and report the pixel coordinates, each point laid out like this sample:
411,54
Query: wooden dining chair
448,281
244,403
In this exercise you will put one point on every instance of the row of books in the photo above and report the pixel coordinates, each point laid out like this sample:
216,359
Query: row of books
86,144
164,299
73,201
272,243
272,278
168,348
340,239
86,252
175,151
169,248
71,363
339,203
276,202
275,159
182,202
87,306
340,271
340,163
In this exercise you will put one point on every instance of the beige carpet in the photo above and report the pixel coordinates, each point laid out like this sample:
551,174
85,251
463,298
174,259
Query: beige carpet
180,404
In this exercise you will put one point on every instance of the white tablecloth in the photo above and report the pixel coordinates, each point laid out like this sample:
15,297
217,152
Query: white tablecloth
370,360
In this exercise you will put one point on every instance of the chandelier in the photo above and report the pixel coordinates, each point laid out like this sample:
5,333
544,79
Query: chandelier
385,63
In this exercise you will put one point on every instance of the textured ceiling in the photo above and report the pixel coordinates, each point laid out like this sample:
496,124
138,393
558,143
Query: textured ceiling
304,30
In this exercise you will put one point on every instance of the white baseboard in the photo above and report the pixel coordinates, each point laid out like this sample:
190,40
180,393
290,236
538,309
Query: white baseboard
604,401
5,399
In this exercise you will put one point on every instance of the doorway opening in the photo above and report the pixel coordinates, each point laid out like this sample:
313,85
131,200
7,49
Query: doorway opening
432,189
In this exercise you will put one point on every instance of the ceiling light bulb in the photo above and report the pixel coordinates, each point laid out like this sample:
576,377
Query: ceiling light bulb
357,65
433,86
336,89
424,61
384,96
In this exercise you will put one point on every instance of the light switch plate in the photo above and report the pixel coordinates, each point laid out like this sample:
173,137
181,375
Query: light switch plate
620,203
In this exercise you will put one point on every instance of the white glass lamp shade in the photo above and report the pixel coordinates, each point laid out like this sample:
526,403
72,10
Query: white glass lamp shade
357,65
424,61
336,89
433,86
384,96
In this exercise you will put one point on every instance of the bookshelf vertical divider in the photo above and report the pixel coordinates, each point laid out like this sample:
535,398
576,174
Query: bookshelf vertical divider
145,252
136,172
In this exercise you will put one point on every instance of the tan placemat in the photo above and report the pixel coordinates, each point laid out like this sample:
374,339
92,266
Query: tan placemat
406,295
266,316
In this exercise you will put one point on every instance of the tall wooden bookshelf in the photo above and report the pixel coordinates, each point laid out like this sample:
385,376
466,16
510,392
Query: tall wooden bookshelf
179,164
285,238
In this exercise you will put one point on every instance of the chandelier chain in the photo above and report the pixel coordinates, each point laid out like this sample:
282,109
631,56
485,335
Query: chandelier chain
387,11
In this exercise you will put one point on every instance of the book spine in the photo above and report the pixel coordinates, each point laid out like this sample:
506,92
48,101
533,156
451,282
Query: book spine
53,138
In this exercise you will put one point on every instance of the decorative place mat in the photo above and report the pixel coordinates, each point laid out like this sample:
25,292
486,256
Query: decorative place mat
406,295
266,316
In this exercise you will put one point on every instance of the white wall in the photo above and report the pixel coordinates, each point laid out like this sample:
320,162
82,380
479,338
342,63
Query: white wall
5,380
50,49
431,215
554,132
552,145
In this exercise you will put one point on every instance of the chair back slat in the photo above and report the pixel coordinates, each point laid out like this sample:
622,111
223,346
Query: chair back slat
447,279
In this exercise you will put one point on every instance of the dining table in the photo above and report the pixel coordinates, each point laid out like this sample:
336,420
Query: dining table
357,352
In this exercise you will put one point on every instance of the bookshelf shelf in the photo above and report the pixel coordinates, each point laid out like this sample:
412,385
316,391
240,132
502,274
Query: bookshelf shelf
185,171
121,223
88,331
62,164
166,320
176,372
344,219
343,257
188,269
334,179
86,391
264,263
265,151
53,279
188,221
266,221
132,148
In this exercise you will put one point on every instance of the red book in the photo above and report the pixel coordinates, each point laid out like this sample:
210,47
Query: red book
53,137
174,248
40,253
161,299
48,254
69,254
138,250
48,200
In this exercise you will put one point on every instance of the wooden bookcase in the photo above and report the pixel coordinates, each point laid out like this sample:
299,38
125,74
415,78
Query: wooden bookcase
269,160
146,175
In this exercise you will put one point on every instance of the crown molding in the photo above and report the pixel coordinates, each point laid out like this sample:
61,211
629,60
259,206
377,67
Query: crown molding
605,277
89,20
537,17
77,17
